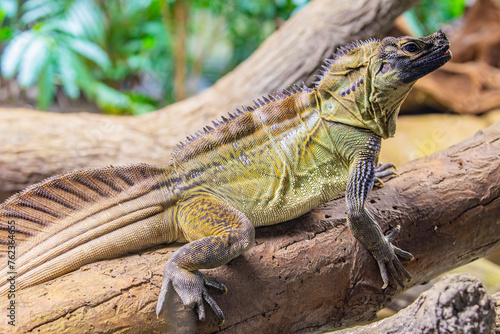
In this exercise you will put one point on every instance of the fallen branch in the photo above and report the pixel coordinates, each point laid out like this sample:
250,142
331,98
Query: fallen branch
37,145
456,304
305,275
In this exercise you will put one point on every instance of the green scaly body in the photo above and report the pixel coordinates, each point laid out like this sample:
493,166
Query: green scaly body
267,164
283,169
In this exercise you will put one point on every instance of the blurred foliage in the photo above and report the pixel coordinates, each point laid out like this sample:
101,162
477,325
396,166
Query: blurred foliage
429,15
119,54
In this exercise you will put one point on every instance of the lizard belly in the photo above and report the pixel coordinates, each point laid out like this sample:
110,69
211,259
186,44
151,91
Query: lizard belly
272,200
294,202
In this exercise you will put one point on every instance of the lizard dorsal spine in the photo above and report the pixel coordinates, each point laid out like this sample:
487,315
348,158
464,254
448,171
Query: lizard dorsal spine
245,122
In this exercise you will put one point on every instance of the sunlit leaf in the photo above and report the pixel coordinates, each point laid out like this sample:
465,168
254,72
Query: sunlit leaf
33,61
37,9
141,108
90,51
110,99
8,8
13,52
85,19
67,72
416,28
84,78
95,21
45,87
32,4
138,37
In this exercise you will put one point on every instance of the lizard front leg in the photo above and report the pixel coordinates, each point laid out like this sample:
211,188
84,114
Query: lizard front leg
361,222
218,233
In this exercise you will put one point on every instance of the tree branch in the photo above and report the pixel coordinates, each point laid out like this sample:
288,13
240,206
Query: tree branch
37,145
309,274
457,304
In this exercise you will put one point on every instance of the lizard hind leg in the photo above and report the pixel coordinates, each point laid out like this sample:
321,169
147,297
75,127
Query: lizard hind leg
217,233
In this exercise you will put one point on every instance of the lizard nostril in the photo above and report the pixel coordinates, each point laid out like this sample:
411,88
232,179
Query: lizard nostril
441,42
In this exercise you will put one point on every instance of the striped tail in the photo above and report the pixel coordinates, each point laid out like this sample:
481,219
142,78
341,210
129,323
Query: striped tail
64,222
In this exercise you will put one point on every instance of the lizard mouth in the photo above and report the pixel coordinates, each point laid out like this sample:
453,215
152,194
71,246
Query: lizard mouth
437,58
446,54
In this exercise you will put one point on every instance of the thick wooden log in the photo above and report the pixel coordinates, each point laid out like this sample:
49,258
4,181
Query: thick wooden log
457,304
306,275
37,145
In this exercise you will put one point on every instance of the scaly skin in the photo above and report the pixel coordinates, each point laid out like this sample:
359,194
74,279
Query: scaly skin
268,164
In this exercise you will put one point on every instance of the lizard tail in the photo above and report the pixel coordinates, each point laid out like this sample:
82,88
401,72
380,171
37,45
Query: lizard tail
64,222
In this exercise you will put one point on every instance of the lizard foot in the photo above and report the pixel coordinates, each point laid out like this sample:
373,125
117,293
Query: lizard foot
387,259
191,286
383,170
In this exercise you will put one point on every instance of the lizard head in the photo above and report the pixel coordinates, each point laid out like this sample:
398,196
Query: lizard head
404,60
370,80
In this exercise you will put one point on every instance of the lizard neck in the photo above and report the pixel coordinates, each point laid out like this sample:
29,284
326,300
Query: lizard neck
344,97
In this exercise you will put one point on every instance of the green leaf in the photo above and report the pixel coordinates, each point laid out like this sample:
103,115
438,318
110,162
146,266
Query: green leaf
86,19
67,72
416,28
6,33
37,9
141,108
90,51
33,60
45,87
12,54
8,7
109,99
84,78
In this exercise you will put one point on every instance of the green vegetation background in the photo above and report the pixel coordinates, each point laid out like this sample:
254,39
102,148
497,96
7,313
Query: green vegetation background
122,56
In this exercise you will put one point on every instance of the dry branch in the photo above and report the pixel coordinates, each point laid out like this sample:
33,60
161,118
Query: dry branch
38,145
305,275
496,300
457,304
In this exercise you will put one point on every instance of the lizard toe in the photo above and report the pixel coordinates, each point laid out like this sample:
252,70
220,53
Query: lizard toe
394,273
215,284
388,261
382,171
383,273
199,308
217,310
191,287
402,269
404,254
162,297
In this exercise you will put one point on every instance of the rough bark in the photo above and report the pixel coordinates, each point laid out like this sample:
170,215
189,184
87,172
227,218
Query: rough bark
306,275
496,301
37,145
456,304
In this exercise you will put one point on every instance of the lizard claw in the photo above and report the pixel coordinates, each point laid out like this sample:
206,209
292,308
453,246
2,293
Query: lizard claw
388,261
191,288
383,170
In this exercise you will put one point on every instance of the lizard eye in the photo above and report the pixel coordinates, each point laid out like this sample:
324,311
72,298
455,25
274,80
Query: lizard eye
411,47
